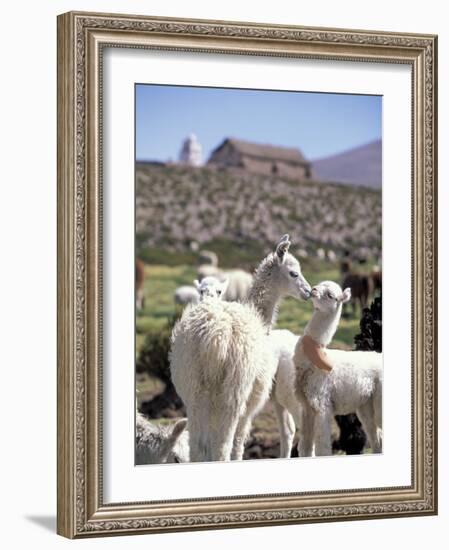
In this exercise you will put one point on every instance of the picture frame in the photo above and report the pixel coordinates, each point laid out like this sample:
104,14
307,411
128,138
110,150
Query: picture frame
82,40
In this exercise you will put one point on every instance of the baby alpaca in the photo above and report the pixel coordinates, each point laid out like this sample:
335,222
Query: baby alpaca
354,383
156,444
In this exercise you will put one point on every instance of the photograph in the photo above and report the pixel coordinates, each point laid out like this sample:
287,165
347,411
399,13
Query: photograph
258,274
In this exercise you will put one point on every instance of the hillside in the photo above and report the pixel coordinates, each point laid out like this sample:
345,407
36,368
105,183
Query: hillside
177,205
359,166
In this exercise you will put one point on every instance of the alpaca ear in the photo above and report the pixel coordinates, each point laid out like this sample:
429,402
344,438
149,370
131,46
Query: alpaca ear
197,284
345,296
178,428
283,246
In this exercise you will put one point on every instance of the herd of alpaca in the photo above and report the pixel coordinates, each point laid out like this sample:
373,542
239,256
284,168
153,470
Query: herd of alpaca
227,361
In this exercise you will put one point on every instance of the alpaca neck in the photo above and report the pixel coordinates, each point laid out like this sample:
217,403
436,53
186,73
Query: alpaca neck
264,294
266,301
323,325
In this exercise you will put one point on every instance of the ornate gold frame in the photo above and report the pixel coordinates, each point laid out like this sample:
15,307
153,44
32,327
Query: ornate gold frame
81,37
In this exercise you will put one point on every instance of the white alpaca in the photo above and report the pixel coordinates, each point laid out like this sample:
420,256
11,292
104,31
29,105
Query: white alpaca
207,257
208,271
285,403
222,363
239,281
211,287
353,385
239,285
283,344
156,444
185,295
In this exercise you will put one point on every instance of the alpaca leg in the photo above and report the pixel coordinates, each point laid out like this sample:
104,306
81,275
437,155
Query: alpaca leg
306,431
377,401
241,435
366,416
257,399
286,429
222,432
323,435
199,430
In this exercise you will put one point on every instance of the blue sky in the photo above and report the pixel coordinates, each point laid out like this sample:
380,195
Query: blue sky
318,124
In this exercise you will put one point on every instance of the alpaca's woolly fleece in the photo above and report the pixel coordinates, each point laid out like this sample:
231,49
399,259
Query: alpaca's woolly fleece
219,356
356,376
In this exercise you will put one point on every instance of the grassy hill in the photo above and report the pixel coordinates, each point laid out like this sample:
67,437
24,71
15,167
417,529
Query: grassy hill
241,215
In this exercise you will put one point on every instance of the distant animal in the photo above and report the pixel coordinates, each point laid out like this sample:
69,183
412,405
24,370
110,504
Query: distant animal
211,287
361,289
140,281
345,264
221,360
156,443
376,278
321,254
239,281
353,385
207,257
331,256
239,285
208,271
186,294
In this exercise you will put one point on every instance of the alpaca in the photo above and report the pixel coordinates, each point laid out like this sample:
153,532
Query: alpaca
361,287
211,287
285,403
208,271
353,383
207,257
239,281
239,285
185,295
140,281
283,343
221,360
156,444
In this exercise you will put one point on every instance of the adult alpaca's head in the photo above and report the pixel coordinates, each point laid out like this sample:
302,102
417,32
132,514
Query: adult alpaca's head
278,275
286,272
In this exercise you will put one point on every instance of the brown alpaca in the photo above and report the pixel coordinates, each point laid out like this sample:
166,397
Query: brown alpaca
140,280
361,286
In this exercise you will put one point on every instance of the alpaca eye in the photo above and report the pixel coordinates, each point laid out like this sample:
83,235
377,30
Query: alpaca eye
329,295
219,292
293,274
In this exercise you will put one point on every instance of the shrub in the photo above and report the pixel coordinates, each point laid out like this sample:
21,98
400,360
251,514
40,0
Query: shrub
153,357
352,437
370,336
